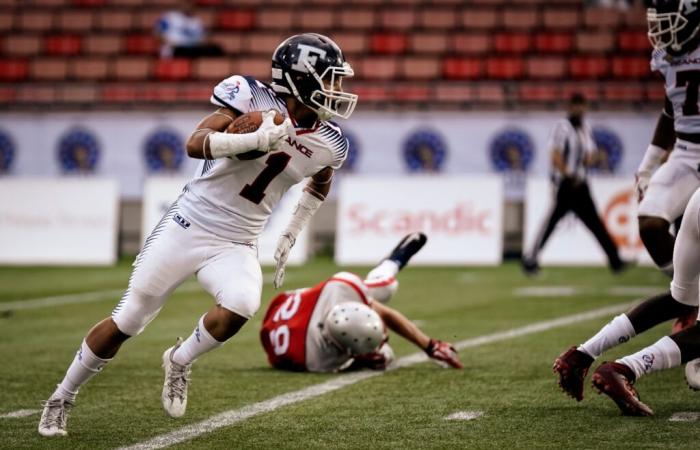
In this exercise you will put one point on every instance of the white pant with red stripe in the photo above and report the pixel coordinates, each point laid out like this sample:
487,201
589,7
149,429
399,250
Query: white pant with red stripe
177,249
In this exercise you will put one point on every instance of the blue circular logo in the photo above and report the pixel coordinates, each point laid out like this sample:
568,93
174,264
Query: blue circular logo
425,150
350,163
7,152
164,151
610,151
512,150
78,151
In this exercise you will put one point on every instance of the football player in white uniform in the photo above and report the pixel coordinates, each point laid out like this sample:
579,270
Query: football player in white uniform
211,230
340,324
663,189
673,30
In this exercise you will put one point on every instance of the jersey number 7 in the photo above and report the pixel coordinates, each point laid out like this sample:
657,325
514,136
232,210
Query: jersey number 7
691,80
274,165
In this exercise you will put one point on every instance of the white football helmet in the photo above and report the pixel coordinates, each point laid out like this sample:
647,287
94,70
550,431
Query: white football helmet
355,327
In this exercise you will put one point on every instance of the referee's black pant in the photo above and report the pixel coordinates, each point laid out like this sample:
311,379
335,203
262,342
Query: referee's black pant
574,195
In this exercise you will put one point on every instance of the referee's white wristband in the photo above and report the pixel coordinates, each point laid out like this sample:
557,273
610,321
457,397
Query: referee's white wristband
652,159
223,145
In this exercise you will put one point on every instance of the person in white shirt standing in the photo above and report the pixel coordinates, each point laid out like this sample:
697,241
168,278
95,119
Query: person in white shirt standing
211,231
573,151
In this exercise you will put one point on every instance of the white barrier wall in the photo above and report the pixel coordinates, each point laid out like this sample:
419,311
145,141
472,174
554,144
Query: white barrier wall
571,243
161,192
58,221
462,216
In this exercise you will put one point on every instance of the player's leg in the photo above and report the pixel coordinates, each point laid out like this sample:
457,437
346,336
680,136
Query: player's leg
560,207
381,280
614,378
233,277
585,209
163,264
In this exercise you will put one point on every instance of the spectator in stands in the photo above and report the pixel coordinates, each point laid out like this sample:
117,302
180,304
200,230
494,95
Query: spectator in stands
573,151
182,34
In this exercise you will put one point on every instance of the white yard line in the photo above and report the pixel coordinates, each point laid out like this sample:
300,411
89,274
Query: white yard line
228,418
685,417
19,413
465,415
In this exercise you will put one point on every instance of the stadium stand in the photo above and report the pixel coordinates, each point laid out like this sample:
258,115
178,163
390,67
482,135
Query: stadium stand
509,52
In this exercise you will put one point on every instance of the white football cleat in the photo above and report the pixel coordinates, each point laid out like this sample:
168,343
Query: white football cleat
54,417
175,385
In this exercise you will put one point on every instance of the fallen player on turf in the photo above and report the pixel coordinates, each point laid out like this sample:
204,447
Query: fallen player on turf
340,324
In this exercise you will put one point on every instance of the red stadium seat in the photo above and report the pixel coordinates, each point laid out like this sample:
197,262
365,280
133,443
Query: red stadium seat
173,69
230,43
470,43
256,67
317,19
119,93
561,19
19,44
454,93
114,20
145,21
397,18
353,18
594,41
88,69
538,93
632,92
351,42
589,90
160,93
132,68
505,68
372,93
263,43
35,95
520,19
428,42
546,67
212,68
633,41
440,19
89,3
462,68
411,93
655,92
82,94
62,45
489,93
478,18
6,20
631,67
75,20
103,44
388,43
141,44
7,95
275,18
635,17
423,68
554,42
511,42
588,67
49,69
237,19
606,18
377,68
13,69
39,21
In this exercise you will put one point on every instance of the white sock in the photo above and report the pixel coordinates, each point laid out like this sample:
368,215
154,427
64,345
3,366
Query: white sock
199,343
616,332
85,365
664,354
385,269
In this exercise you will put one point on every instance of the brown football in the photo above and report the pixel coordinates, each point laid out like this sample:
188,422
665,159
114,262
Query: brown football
249,122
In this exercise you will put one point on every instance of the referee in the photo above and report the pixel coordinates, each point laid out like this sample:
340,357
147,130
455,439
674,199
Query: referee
573,149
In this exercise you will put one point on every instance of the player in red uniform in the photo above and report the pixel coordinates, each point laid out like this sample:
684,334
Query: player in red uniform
340,323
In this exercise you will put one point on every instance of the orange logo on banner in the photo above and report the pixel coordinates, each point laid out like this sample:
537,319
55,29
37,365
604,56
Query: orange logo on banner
620,219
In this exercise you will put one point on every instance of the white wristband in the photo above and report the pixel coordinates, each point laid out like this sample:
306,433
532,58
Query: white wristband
306,208
652,159
223,145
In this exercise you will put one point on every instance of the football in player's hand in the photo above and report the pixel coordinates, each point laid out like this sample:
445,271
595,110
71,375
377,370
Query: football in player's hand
249,122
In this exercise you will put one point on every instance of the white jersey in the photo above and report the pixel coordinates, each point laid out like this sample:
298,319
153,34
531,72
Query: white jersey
682,81
233,197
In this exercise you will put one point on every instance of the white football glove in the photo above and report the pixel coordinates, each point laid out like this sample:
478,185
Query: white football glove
284,246
269,135
641,183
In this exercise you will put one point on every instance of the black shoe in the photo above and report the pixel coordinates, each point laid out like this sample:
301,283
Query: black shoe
530,267
407,247
620,267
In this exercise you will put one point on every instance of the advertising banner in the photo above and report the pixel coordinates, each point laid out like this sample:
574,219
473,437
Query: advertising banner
69,221
462,216
161,192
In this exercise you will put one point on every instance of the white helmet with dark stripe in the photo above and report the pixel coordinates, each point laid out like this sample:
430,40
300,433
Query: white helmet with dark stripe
355,327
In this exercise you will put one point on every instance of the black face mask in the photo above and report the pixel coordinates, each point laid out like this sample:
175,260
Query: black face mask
576,121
